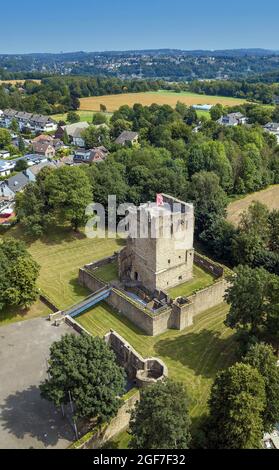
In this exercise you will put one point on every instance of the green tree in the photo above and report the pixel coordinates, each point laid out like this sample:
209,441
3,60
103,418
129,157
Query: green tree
190,116
86,367
273,223
21,145
119,126
236,405
21,165
5,138
14,126
57,197
69,193
65,137
94,137
99,118
73,117
18,275
252,295
208,197
161,418
261,356
253,234
216,112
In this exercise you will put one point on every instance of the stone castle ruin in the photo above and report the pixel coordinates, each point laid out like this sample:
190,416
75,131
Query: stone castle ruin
158,255
161,253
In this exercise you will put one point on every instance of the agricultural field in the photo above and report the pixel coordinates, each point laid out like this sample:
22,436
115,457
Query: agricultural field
193,356
269,197
60,254
113,102
21,82
200,280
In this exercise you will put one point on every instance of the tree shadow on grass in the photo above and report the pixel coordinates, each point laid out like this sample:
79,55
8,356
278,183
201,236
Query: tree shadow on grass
29,418
204,352
60,235
78,289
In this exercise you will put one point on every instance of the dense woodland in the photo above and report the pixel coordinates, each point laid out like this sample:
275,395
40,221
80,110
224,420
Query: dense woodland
60,94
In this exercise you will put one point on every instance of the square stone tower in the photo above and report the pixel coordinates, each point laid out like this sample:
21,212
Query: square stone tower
160,254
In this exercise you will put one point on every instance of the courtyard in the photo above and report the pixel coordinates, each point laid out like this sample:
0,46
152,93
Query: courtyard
26,420
193,356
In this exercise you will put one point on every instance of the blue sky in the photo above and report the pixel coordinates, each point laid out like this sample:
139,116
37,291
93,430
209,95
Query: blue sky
95,25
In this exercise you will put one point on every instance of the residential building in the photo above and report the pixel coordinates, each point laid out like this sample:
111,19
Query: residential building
6,166
233,119
34,158
127,137
74,132
43,138
272,128
34,170
44,148
4,154
95,155
10,187
34,122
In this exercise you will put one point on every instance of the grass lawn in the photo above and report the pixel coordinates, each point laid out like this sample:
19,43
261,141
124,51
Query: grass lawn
107,273
120,441
84,116
60,254
113,102
12,315
200,280
193,356
202,113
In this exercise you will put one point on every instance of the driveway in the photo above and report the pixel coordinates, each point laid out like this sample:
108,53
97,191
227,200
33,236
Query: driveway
26,420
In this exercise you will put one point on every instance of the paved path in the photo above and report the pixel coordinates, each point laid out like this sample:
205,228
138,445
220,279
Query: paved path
27,421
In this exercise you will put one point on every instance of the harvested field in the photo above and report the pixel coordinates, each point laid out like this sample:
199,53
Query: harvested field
269,197
113,102
14,82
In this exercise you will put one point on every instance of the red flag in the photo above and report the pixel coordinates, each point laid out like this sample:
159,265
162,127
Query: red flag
159,200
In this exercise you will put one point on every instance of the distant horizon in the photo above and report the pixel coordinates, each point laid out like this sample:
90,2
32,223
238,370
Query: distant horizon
97,26
150,49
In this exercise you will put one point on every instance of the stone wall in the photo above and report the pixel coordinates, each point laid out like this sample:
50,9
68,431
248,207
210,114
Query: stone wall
203,300
87,279
117,425
208,265
131,310
177,315
76,326
48,303
142,371
102,262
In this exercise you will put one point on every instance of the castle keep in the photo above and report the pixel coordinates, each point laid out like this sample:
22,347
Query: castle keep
160,254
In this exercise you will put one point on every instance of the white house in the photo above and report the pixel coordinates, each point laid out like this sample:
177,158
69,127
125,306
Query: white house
272,128
74,132
233,119
4,154
6,166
